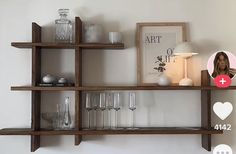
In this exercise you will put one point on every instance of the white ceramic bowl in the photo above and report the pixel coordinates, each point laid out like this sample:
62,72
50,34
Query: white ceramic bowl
49,79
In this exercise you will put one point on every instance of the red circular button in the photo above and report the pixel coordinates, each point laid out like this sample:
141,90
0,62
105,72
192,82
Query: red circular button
222,81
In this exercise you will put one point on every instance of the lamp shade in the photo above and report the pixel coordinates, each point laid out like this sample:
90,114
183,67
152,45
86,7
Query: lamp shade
185,50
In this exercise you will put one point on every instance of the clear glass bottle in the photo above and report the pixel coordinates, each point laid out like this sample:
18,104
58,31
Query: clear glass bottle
63,27
67,117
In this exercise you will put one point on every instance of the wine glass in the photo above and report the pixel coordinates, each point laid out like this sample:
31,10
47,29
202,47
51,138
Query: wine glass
116,107
88,106
109,105
132,105
102,106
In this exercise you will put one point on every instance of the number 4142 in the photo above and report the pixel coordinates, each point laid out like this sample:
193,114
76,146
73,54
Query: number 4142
223,127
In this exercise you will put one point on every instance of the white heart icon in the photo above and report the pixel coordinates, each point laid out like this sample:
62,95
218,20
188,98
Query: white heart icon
222,110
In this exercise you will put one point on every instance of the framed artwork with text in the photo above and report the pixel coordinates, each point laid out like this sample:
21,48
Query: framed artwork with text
157,41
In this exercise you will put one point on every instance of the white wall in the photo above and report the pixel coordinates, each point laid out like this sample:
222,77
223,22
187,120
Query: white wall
211,25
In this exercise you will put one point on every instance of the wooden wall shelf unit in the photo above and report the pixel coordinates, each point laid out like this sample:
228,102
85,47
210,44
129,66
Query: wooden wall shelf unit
205,130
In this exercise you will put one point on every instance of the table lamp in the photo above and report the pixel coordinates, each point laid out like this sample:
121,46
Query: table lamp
185,50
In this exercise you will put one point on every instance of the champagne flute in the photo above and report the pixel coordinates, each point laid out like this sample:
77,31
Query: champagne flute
88,106
109,105
95,105
116,107
57,120
102,106
132,105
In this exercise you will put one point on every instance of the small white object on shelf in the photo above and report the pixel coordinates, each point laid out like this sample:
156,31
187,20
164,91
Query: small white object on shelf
49,79
115,37
62,80
163,80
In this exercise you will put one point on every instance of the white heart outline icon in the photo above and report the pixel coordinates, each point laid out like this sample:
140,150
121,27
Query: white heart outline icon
223,110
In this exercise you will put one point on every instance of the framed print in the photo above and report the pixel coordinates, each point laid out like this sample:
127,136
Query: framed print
157,41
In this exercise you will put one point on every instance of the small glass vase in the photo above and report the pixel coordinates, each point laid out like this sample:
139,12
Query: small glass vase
63,27
93,33
67,117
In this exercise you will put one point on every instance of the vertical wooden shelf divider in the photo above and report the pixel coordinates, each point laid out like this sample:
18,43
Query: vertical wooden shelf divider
78,79
36,95
206,110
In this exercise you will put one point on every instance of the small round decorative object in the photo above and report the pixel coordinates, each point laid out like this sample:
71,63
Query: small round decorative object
163,80
49,78
62,80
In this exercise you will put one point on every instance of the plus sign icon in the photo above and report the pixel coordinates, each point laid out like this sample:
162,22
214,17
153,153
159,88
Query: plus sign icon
222,81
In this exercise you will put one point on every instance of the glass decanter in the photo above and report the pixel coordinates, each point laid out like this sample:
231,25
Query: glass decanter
67,117
63,27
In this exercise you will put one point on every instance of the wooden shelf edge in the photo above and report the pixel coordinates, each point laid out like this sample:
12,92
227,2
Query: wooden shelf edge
21,44
139,131
107,88
37,88
68,45
101,46
16,131
157,130
97,88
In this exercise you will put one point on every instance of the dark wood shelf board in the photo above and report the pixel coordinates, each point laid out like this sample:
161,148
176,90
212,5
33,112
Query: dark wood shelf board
216,88
153,130
68,45
107,88
28,131
100,88
143,130
43,45
16,131
101,46
37,88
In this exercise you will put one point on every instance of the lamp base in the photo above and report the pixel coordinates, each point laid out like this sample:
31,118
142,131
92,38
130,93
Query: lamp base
186,82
